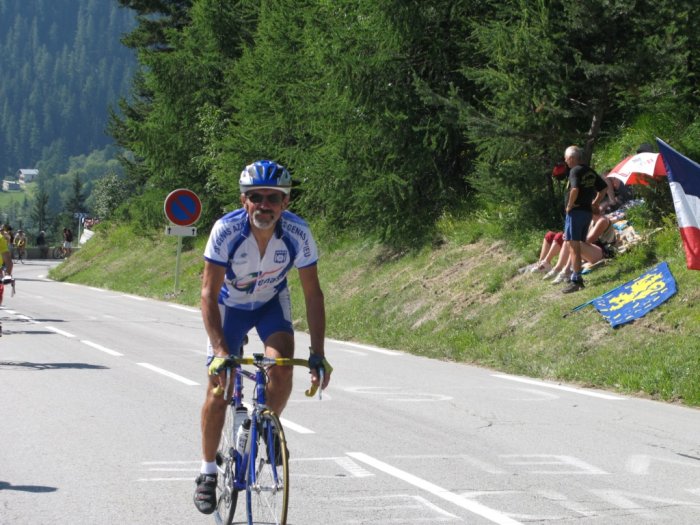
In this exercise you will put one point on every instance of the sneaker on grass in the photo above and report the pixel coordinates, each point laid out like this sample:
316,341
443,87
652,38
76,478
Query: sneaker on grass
573,286
551,273
563,276
542,266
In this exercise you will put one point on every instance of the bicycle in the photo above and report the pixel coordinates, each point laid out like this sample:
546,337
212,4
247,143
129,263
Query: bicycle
264,477
59,252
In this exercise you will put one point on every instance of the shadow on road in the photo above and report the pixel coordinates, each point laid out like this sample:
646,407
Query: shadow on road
4,485
49,366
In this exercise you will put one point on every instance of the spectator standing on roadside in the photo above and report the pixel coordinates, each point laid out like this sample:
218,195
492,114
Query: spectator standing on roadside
586,191
41,244
67,241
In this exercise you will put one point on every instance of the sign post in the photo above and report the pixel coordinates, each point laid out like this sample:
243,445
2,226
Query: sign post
182,208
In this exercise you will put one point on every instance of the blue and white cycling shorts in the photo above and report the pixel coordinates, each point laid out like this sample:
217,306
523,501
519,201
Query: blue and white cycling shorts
273,316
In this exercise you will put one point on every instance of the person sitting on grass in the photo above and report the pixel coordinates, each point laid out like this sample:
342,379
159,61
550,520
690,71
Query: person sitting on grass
593,250
551,246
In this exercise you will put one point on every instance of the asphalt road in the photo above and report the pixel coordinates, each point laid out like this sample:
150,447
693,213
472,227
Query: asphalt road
100,395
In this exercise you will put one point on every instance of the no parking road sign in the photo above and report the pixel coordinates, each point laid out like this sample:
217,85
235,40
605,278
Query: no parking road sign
182,207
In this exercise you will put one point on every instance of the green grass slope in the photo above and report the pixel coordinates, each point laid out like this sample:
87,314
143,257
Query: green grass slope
462,300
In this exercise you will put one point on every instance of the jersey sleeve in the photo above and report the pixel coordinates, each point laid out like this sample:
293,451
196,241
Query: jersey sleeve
297,231
308,252
220,243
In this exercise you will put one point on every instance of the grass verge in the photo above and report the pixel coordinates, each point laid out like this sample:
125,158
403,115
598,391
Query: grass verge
461,300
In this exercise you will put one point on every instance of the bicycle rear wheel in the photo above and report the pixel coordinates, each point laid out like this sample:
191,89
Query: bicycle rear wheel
226,465
267,486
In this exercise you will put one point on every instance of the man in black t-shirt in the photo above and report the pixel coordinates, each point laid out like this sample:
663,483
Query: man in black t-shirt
586,191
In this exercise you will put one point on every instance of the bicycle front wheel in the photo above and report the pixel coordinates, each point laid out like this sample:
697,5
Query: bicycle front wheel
227,495
267,486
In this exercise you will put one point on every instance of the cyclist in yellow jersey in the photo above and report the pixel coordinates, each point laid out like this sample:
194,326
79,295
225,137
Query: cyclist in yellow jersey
6,272
6,255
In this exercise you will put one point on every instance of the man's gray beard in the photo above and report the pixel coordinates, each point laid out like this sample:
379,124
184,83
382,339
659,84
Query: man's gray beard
262,224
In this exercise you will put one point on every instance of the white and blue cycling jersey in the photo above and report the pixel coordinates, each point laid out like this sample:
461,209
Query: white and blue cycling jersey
251,281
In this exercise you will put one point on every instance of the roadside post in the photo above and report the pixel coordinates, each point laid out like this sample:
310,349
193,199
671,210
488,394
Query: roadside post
81,220
182,208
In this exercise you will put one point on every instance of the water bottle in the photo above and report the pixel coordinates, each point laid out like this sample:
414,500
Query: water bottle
242,436
239,416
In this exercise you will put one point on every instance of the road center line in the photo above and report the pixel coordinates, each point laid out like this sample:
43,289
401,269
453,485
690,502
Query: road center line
59,332
168,374
286,424
101,348
467,504
559,387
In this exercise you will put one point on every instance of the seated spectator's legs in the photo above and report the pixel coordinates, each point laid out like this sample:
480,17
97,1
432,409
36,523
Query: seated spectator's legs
599,224
546,245
591,253
555,248
564,256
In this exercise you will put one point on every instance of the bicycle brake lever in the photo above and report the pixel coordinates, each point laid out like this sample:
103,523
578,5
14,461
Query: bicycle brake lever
315,387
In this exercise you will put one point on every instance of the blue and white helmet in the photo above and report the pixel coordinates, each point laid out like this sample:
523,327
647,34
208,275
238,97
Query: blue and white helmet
265,174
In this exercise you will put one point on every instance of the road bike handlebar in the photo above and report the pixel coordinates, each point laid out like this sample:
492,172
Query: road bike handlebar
262,361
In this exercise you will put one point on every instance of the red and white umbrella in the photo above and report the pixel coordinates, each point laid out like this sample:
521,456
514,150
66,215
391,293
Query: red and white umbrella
639,168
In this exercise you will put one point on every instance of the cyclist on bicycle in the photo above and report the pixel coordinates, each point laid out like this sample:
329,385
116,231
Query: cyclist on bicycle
20,243
6,270
246,261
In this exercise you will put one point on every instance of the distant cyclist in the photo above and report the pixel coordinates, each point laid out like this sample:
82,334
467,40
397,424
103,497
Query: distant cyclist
6,271
20,243
246,261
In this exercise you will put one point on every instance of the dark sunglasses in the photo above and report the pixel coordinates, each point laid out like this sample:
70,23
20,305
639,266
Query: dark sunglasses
258,198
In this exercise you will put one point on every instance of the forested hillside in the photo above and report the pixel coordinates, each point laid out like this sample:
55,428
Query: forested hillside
393,114
62,66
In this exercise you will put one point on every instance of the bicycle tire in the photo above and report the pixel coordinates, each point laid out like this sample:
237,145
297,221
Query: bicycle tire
267,481
58,253
227,494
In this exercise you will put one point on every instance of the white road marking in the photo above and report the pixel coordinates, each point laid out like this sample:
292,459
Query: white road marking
355,470
575,465
171,469
348,351
59,332
559,387
431,505
397,395
168,374
134,297
469,505
179,462
366,347
286,424
166,479
101,348
482,465
96,289
639,463
185,308
633,504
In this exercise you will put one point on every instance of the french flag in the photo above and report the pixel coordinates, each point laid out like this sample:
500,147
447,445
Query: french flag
684,178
